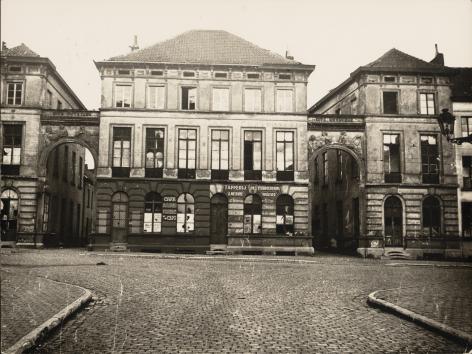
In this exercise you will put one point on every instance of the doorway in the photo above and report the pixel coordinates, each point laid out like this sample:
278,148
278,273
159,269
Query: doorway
8,214
393,215
218,219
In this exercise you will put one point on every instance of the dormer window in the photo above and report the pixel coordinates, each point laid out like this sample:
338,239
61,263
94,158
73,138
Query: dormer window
253,76
124,72
389,79
189,74
285,76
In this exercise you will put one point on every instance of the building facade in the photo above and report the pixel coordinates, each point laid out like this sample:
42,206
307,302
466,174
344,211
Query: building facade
400,196
203,147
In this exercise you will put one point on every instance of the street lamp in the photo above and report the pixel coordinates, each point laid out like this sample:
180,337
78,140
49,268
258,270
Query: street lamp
446,124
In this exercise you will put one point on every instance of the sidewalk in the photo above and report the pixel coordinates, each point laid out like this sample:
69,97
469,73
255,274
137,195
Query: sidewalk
28,303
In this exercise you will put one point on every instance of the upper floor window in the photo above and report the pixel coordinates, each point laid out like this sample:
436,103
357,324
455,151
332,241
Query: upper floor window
429,158
187,153
252,155
221,75
157,72
156,97
14,69
466,126
252,100
154,152
49,98
389,79
152,212
220,99
426,80
285,155
12,145
189,98
390,102
427,103
15,93
253,76
185,213
189,74
284,100
285,76
121,151
391,158
467,172
123,96
219,154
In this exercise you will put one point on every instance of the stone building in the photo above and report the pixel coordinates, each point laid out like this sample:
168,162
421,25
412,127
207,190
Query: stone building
39,112
203,146
395,184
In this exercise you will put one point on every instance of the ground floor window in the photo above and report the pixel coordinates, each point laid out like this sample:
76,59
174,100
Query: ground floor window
252,215
431,216
185,213
152,212
284,212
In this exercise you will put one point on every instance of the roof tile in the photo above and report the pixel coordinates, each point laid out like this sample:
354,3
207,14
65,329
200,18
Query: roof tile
19,51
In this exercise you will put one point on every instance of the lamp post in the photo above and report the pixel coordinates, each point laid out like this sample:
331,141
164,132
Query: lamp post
446,124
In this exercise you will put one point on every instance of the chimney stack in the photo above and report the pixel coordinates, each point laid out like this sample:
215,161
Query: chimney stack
439,57
135,45
288,56
4,45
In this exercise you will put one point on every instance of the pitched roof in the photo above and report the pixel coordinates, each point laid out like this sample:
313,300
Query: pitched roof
396,59
19,51
205,47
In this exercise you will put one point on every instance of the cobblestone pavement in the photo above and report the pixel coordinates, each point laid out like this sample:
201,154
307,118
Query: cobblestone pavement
28,301
215,306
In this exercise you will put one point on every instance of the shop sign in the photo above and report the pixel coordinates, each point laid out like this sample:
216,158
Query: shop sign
240,190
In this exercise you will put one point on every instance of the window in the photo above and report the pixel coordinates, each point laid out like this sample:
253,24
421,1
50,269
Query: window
154,152
284,219
252,215
65,171
152,212
123,96
120,210
285,76
220,99
219,154
121,151
466,126
124,72
337,111
157,72
55,169
339,166
221,75
156,97
467,219
393,221
252,100
14,69
284,100
252,155
12,141
189,74
431,216
74,159
59,104
467,172
427,103
15,93
325,169
426,80
391,158
429,159
185,213
49,99
389,78
81,166
253,76
187,153
390,102
285,156
189,98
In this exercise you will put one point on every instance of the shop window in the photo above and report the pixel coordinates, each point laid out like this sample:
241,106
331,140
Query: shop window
431,211
187,153
119,210
252,215
390,105
156,97
467,172
121,151
252,155
391,158
284,99
154,152
185,213
15,93
219,154
393,221
427,103
189,98
9,214
429,159
285,156
252,100
220,99
123,96
284,212
12,145
152,213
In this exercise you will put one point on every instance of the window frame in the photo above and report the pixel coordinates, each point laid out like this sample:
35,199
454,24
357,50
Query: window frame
157,202
253,174
22,98
285,174
154,172
468,125
276,99
186,203
12,168
182,87
397,108
432,216
428,177
121,171
389,176
149,86
253,88
285,228
250,210
187,173
422,93
220,174
467,180
131,95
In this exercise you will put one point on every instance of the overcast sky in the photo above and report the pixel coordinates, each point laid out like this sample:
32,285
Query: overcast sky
335,35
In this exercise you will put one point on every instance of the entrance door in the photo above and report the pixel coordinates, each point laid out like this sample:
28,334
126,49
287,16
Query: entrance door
119,230
219,219
393,222
8,214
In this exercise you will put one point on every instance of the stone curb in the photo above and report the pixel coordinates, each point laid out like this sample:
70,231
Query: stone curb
414,317
465,266
32,338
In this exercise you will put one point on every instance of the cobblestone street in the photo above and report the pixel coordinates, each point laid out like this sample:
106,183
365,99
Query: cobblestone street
198,305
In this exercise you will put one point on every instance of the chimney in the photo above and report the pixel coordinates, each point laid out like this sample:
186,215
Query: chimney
438,58
4,45
135,45
288,56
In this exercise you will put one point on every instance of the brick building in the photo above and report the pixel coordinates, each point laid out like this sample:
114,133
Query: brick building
203,146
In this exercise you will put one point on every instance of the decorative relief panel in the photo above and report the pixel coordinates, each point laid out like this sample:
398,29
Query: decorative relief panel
354,143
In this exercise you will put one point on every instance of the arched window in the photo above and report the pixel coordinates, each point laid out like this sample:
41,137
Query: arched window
252,214
8,210
152,212
431,216
393,221
185,213
284,210
120,210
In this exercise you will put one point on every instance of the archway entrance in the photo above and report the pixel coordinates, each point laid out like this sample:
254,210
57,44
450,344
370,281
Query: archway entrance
218,219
